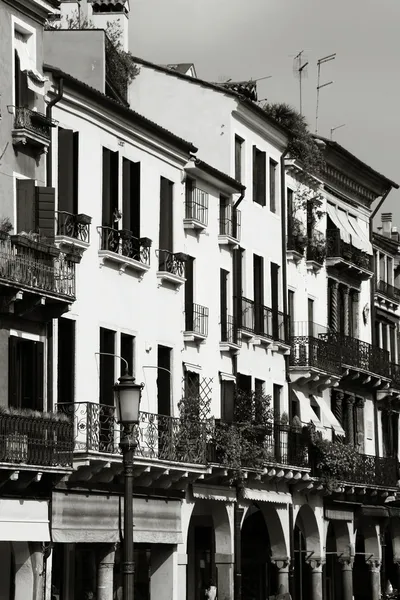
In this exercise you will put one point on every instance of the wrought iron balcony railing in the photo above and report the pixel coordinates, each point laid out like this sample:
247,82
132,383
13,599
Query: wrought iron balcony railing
361,355
36,266
73,226
196,320
171,263
388,290
395,375
196,206
230,222
158,437
230,332
33,121
263,321
316,248
40,440
311,347
122,242
337,248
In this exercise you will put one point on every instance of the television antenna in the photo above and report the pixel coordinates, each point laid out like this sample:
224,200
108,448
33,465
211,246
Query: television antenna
300,70
320,62
337,127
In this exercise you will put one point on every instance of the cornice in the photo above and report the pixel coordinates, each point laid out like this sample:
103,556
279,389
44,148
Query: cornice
347,185
259,125
39,10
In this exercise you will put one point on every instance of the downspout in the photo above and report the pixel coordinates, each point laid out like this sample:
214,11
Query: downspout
372,312
284,272
292,590
49,107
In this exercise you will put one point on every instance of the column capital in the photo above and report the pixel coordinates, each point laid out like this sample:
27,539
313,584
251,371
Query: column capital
335,284
282,564
350,399
339,395
347,562
316,564
346,290
374,565
360,402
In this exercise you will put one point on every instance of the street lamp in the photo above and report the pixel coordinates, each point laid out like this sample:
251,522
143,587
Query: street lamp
128,395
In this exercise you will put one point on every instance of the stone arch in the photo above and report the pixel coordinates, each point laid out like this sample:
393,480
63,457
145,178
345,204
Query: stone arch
306,521
394,528
371,539
279,549
342,536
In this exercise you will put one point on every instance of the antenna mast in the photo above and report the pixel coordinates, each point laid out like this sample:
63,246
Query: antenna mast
299,67
337,127
320,62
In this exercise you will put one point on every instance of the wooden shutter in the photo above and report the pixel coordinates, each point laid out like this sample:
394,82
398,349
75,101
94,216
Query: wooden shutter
227,401
255,175
238,158
107,375
166,232
359,425
126,194
14,372
224,302
258,283
262,178
45,202
237,286
164,381
38,365
189,294
76,173
272,185
114,183
131,196
66,173
106,208
26,205
66,360
275,299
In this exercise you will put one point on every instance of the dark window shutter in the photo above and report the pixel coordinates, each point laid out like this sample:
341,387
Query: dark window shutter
238,158
107,375
26,205
272,185
255,175
131,196
107,212
66,175
237,286
126,194
17,80
114,181
275,299
227,401
189,294
66,360
14,372
224,303
45,202
76,172
166,195
38,399
261,170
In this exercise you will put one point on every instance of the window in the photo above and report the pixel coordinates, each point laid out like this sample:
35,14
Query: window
164,380
66,361
275,301
35,208
238,157
259,176
289,205
258,282
311,317
107,366
389,270
276,397
166,221
131,197
26,373
310,219
291,311
110,188
68,170
224,303
259,386
228,401
127,352
192,387
272,185
189,294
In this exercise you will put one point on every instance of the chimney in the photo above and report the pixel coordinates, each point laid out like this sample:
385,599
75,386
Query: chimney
387,224
114,13
395,234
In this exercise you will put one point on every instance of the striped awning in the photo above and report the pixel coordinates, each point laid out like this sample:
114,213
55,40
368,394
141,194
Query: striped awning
24,520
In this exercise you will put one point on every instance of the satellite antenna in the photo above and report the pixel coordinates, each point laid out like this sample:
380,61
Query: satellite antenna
300,71
337,127
320,62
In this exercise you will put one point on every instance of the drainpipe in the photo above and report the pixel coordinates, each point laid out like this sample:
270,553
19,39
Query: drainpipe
292,590
49,107
238,201
284,272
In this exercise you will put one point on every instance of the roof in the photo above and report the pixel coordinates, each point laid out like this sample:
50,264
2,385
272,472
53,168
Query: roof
182,68
386,243
122,110
227,179
334,145
213,86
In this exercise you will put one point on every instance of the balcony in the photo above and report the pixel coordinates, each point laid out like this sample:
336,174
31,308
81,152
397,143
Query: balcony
196,210
263,325
72,230
229,225
36,275
231,339
296,239
32,128
168,448
30,440
387,293
395,375
314,358
196,324
361,357
346,257
120,247
316,252
171,267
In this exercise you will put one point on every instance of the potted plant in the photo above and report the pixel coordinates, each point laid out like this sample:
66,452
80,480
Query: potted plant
5,228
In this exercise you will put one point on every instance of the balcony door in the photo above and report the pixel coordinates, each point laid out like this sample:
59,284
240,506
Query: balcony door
110,188
131,197
258,282
104,420
68,170
189,294
275,300
26,374
224,303
166,222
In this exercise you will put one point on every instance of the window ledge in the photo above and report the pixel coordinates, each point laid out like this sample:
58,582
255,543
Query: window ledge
294,256
228,240
229,347
167,277
124,262
194,224
66,241
281,347
313,266
25,137
194,336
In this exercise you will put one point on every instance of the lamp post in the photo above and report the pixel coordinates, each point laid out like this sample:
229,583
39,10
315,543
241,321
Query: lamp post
128,395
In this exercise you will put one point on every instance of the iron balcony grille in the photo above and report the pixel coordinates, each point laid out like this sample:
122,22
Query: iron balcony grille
263,321
388,290
34,266
311,347
361,355
196,320
196,206
121,241
171,263
158,436
33,121
336,247
73,226
230,222
37,440
395,375
230,332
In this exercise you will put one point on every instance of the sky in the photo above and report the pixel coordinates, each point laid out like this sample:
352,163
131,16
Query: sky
243,39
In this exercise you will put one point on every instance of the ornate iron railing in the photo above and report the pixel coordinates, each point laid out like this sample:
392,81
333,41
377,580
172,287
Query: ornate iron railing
196,206
296,235
395,375
311,347
316,248
73,226
158,436
35,440
230,222
36,266
230,332
121,241
388,290
171,263
33,121
336,247
361,355
263,321
196,319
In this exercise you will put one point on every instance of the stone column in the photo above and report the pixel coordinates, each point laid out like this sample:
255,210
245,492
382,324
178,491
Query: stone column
346,310
316,578
334,305
164,563
339,397
347,577
224,565
182,576
283,572
105,572
349,402
375,570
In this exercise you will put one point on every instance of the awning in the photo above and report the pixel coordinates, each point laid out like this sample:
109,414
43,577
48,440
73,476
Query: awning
377,512
360,236
328,418
306,412
95,518
35,79
334,216
24,520
350,230
192,368
259,495
338,514
227,376
209,492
